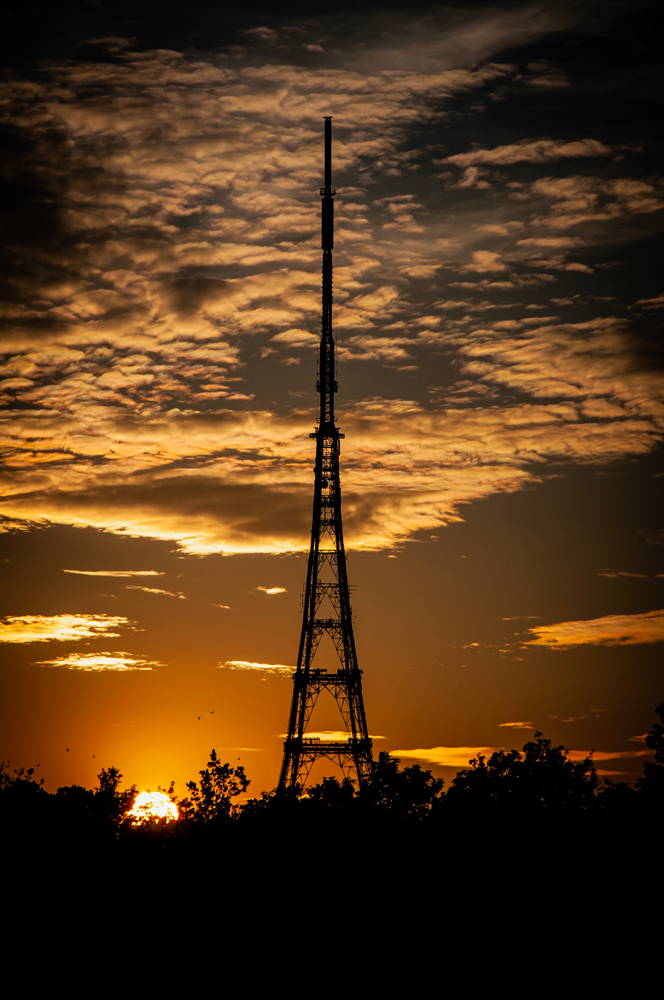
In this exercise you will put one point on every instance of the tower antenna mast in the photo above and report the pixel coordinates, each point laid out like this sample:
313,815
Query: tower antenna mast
327,607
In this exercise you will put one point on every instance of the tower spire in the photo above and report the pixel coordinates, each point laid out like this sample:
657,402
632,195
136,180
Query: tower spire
327,609
327,385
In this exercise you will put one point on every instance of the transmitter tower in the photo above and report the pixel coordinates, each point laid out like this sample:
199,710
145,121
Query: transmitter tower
327,607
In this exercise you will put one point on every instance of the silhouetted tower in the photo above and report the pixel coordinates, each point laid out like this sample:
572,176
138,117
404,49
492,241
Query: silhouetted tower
326,599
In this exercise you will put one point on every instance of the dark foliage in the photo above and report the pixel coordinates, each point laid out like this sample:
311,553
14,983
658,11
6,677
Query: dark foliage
22,798
652,782
210,805
410,793
541,780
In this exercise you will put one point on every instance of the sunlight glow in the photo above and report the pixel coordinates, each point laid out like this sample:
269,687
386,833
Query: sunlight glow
152,805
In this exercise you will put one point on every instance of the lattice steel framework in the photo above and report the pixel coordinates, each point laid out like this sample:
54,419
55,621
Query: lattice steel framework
327,608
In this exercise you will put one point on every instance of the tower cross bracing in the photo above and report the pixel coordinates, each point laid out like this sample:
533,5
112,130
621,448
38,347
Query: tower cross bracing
327,608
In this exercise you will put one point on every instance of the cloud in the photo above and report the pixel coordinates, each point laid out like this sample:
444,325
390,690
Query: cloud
594,199
239,481
516,725
114,572
499,229
550,241
60,628
327,735
97,662
272,590
131,365
611,630
330,735
458,757
399,210
577,755
473,177
297,338
579,718
451,38
545,75
530,151
420,271
593,360
266,668
610,573
486,260
155,590
655,303
264,34
574,266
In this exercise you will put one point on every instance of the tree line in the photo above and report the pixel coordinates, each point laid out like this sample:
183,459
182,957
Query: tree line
537,784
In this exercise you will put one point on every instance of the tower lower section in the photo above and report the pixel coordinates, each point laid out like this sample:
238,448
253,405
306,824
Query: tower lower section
353,755
327,612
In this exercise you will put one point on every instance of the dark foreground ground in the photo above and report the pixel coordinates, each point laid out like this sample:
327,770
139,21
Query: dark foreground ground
526,865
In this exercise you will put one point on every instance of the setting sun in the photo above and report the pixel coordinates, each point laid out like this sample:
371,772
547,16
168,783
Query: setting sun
152,805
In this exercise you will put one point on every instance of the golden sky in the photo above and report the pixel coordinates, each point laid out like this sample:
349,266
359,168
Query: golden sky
498,318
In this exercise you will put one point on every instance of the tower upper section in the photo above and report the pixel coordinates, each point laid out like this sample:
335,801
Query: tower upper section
327,385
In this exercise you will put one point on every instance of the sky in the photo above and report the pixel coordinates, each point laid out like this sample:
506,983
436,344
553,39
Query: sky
498,315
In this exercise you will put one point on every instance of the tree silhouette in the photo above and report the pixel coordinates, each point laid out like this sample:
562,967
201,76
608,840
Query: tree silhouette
25,806
75,805
537,783
651,785
541,778
332,794
408,793
22,777
97,814
211,805
110,802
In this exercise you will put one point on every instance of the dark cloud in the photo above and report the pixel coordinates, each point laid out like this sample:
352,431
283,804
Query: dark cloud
191,291
213,515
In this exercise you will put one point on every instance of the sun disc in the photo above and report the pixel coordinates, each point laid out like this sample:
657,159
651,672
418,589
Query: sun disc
152,805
